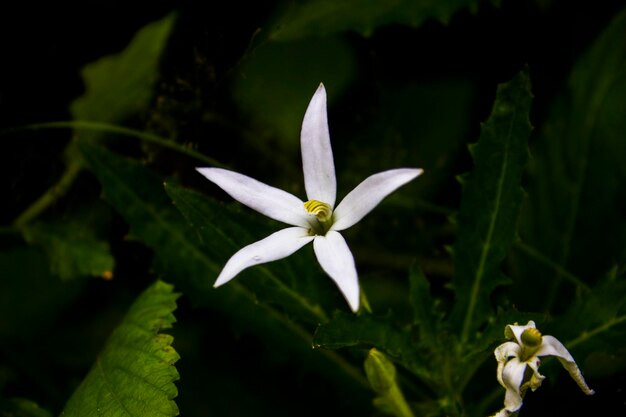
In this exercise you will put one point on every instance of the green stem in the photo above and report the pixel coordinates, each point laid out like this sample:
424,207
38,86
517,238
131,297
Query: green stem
110,128
589,334
74,168
398,402
53,193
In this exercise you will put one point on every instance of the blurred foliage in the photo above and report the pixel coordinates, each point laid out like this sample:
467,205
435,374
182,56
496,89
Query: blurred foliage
577,153
119,86
323,17
19,407
72,249
445,266
279,77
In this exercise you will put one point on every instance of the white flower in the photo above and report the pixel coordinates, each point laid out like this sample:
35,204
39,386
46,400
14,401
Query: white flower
317,220
524,351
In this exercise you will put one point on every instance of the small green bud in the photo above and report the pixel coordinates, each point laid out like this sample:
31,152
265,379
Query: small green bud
380,371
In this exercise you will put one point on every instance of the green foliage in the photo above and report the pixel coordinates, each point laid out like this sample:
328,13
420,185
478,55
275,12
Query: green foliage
121,85
599,318
20,407
349,330
574,214
492,196
323,17
72,249
381,374
425,314
279,77
134,375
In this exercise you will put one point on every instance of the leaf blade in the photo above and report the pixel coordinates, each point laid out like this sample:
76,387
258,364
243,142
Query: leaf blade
576,177
491,199
120,85
134,375
324,17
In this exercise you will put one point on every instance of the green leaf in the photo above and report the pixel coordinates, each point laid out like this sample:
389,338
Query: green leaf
491,199
134,375
73,249
117,87
424,306
595,325
20,407
577,176
323,17
120,85
368,331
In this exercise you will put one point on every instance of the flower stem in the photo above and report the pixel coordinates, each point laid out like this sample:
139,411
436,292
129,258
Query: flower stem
398,402
53,193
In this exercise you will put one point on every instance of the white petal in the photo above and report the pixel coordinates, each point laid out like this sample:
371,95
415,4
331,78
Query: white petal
536,379
502,354
502,413
369,194
512,376
267,200
336,260
276,246
507,350
515,331
552,347
317,154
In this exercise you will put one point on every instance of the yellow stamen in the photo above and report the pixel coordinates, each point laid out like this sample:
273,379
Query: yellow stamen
531,337
531,342
323,214
322,211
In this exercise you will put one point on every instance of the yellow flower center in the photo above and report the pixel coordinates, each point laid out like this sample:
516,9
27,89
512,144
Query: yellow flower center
531,342
323,215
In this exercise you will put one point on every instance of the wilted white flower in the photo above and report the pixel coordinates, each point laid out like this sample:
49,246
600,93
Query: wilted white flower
524,351
317,220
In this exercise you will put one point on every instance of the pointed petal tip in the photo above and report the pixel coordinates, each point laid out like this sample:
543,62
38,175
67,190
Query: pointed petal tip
415,172
321,91
221,280
354,305
352,298
205,171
